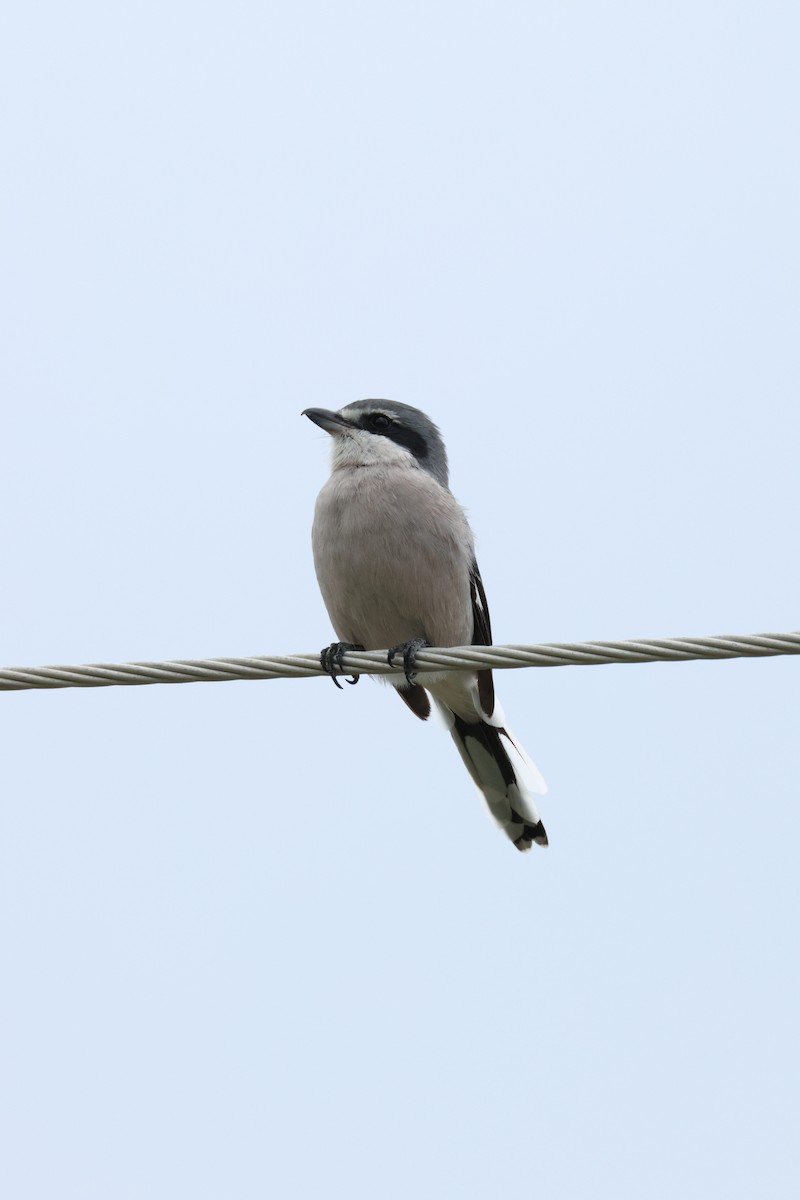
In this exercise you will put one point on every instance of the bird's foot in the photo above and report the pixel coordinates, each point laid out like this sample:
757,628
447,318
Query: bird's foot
331,660
409,650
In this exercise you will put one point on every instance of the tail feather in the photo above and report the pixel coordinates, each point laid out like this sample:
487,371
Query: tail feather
499,767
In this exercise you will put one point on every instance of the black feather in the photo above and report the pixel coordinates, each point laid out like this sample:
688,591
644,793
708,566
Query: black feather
481,636
417,699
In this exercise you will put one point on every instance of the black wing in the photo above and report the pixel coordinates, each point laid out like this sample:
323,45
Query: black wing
481,636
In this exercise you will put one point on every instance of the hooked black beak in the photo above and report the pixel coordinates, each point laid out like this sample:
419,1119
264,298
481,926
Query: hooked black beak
331,422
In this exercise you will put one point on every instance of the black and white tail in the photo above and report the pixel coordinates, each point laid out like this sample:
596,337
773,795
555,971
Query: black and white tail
505,775
507,778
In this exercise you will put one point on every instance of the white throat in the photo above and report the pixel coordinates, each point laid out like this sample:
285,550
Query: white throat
358,448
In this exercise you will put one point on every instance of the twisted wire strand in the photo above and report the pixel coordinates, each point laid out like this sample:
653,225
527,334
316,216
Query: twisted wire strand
451,658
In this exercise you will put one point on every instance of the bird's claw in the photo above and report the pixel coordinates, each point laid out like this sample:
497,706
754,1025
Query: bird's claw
331,660
409,650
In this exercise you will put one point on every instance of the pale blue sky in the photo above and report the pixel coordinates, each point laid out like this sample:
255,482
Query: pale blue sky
260,939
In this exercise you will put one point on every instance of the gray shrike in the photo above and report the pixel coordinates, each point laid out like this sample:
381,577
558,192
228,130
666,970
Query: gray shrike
395,560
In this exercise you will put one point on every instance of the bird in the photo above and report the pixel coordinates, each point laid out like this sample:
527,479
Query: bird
395,561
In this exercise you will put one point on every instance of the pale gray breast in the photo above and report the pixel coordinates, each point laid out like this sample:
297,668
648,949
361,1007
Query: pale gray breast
392,551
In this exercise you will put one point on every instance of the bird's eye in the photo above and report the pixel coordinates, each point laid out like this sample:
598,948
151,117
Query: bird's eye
380,421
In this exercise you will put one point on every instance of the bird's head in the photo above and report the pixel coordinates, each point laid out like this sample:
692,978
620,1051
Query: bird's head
375,432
